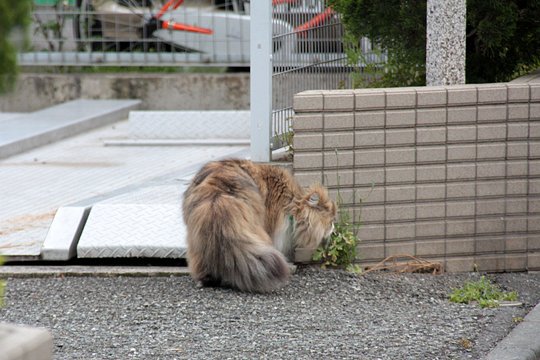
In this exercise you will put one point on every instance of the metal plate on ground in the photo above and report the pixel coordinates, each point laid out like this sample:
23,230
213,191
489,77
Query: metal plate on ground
133,231
142,224
189,125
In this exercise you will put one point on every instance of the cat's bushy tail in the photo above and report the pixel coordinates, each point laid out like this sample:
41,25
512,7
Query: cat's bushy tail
228,246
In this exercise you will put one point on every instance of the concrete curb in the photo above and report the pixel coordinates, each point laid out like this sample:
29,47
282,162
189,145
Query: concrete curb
523,343
44,271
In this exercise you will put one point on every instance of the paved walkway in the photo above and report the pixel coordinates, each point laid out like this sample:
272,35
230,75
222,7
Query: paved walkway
33,185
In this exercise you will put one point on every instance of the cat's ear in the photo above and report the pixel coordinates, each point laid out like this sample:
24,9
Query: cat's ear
314,200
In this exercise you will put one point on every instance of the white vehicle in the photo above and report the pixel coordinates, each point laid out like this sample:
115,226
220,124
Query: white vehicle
216,32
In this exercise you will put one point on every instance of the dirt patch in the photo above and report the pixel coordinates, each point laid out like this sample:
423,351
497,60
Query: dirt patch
24,222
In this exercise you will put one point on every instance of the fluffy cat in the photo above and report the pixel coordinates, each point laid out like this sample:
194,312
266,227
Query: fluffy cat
245,219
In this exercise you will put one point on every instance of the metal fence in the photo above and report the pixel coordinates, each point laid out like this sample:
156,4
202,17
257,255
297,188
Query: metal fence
296,45
175,32
308,55
303,42
139,32
311,55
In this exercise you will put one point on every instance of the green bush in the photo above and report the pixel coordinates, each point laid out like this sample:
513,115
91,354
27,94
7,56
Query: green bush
13,14
503,37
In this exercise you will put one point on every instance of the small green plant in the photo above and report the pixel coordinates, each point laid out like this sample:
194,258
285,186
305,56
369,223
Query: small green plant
483,291
286,140
340,249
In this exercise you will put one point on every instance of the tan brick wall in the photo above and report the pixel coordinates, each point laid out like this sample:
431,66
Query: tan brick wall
446,173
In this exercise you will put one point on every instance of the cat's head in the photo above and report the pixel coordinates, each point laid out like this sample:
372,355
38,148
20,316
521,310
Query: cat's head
314,214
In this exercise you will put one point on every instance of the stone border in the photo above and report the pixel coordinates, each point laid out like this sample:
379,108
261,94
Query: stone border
523,343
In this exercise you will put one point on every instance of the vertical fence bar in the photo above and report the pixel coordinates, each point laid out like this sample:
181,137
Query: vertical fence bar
261,79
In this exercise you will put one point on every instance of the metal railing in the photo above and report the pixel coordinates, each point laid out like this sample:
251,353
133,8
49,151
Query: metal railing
299,46
139,33
177,32
314,58
302,42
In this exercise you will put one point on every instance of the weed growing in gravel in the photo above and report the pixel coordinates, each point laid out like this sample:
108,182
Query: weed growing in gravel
485,293
340,249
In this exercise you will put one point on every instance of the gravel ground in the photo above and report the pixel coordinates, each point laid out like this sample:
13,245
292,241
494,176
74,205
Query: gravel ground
320,314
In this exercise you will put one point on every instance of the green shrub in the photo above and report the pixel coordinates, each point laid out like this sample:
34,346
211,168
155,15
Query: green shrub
13,14
503,37
485,293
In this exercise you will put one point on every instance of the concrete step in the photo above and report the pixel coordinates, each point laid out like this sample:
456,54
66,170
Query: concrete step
22,132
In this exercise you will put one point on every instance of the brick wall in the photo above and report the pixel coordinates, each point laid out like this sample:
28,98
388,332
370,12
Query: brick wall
447,173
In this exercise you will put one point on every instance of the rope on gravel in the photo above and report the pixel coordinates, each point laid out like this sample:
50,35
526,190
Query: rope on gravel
397,264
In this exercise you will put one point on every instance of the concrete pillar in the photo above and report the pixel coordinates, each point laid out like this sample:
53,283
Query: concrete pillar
445,42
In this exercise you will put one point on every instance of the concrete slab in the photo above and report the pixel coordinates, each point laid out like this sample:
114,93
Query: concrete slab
64,233
192,125
22,342
28,131
22,236
44,271
9,116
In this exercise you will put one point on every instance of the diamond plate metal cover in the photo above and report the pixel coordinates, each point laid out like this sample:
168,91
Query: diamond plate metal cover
133,230
189,124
